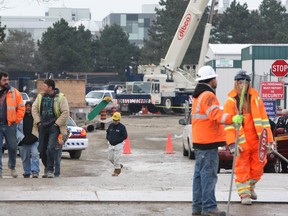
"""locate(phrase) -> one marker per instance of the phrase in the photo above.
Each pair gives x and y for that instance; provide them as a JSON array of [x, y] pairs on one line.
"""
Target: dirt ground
[[148, 167]]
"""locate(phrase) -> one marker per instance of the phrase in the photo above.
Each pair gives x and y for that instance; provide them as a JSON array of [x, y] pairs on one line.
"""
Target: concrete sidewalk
[[273, 188]]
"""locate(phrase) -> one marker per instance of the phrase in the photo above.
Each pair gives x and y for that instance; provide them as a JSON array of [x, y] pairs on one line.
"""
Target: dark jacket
[[116, 133], [29, 138]]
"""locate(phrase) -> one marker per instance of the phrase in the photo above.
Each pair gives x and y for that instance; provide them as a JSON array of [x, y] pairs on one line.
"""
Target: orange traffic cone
[[169, 147], [126, 149]]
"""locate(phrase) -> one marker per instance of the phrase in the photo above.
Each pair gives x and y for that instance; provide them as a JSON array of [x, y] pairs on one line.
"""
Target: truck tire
[[152, 109], [134, 108], [166, 105], [75, 154]]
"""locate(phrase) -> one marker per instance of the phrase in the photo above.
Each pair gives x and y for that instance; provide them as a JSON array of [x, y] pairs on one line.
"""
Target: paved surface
[[272, 188], [152, 182]]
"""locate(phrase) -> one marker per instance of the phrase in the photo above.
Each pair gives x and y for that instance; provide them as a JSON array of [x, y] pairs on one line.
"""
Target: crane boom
[[184, 34]]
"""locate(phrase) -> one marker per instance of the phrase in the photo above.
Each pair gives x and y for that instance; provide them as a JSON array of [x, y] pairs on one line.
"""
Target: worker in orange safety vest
[[248, 168], [208, 134]]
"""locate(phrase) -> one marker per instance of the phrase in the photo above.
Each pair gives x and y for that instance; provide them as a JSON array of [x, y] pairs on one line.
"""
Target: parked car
[[280, 133], [76, 143], [25, 97], [33, 95], [225, 157], [93, 98]]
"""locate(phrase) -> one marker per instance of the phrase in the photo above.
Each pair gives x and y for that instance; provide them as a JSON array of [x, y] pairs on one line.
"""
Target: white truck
[[166, 87]]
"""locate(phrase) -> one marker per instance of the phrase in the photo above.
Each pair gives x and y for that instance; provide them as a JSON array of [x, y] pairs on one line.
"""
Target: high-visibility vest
[[204, 129], [56, 105], [258, 112]]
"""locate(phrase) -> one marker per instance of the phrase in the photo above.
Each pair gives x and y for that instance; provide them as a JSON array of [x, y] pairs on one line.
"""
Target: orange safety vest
[[208, 119], [258, 112], [15, 106]]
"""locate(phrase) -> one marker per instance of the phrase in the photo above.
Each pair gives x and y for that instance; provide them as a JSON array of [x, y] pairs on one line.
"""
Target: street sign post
[[279, 68]]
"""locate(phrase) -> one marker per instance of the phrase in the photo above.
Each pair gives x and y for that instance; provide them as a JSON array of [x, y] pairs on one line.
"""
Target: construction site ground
[[151, 183]]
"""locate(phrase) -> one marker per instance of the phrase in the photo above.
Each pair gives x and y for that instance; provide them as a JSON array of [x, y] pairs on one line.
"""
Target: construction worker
[[248, 168], [50, 111], [207, 115], [11, 114], [116, 134]]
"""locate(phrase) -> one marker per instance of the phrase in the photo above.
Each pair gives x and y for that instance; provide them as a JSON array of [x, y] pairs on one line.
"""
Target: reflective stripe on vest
[[205, 116]]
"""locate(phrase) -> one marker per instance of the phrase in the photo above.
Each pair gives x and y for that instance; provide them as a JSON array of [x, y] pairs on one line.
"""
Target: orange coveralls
[[248, 168]]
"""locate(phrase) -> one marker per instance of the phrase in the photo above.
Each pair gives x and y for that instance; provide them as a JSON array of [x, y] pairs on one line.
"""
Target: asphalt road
[[147, 168]]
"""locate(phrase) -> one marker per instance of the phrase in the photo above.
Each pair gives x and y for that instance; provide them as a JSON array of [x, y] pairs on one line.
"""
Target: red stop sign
[[279, 68]]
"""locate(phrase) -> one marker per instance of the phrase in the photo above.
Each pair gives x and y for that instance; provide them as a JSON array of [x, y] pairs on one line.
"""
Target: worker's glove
[[232, 149], [237, 119], [271, 147]]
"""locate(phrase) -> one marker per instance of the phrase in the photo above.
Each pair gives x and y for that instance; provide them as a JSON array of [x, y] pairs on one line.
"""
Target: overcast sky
[[99, 8]]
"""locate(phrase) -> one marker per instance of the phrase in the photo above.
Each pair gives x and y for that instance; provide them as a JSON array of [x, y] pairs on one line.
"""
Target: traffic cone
[[169, 147], [126, 149]]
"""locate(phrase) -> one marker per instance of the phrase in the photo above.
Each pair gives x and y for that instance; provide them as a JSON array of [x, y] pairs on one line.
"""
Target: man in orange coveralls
[[248, 168]]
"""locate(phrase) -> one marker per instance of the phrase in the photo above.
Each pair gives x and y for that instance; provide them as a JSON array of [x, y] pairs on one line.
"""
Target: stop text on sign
[[279, 68]]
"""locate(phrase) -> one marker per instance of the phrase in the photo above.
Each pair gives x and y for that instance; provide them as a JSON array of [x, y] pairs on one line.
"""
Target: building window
[[123, 20]]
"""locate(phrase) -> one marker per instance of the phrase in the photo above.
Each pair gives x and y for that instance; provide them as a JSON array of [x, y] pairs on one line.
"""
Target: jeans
[[58, 154], [114, 154], [30, 158], [48, 137], [9, 132], [204, 180]]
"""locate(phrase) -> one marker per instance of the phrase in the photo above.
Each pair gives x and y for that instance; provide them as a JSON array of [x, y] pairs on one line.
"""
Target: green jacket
[[61, 110]]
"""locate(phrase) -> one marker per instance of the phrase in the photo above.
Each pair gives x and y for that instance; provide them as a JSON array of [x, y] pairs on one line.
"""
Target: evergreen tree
[[65, 48], [113, 50], [18, 52]]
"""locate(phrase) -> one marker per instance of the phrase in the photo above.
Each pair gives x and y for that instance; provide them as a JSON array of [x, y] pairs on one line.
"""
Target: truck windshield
[[142, 87]]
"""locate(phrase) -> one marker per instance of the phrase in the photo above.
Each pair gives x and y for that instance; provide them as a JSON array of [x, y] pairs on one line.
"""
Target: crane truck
[[166, 87]]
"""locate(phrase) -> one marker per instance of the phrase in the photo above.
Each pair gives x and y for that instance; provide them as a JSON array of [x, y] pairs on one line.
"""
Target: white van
[[93, 98]]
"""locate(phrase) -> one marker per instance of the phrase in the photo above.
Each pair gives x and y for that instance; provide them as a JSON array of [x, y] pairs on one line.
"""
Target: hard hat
[[206, 72], [116, 116], [242, 75]]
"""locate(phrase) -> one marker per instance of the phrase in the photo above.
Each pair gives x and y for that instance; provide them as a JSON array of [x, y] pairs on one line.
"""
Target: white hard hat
[[206, 72]]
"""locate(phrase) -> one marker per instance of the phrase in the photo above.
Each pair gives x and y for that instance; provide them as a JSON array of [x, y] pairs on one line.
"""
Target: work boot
[[196, 213], [35, 175], [116, 172], [215, 212], [14, 173], [50, 175], [246, 200], [26, 175], [253, 195]]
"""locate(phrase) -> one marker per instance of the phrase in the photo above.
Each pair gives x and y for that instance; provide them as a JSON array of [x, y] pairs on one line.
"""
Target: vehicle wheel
[[185, 152], [218, 171], [134, 108], [269, 168], [277, 166], [191, 154], [179, 110], [152, 109], [75, 154], [167, 104], [284, 166]]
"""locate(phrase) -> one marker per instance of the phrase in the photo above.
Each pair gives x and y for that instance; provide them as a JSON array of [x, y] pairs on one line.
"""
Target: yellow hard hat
[[116, 116]]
